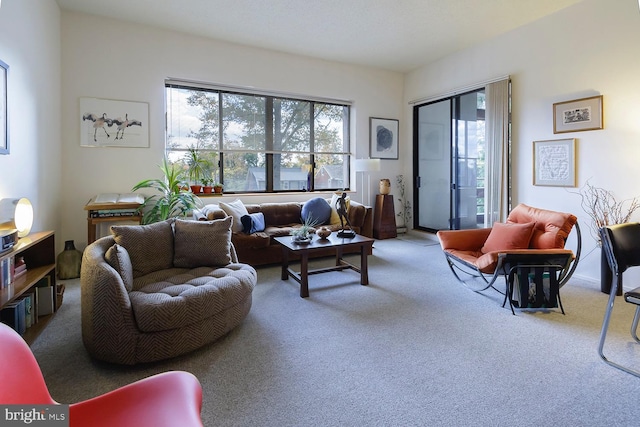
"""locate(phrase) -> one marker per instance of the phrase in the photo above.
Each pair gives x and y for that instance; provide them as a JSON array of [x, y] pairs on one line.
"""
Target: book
[[45, 296], [45, 300], [27, 310], [13, 314], [104, 198], [109, 213], [33, 294]]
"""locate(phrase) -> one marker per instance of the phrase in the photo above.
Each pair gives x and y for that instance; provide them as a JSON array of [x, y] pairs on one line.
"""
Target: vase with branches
[[405, 205], [604, 209]]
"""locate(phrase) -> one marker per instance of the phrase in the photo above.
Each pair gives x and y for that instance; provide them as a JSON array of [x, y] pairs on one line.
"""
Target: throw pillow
[[316, 210], [335, 218], [236, 210], [253, 222], [150, 246], [202, 243], [508, 236], [118, 258]]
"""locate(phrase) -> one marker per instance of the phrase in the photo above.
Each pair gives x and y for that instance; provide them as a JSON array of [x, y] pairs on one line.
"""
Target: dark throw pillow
[[316, 210], [253, 223]]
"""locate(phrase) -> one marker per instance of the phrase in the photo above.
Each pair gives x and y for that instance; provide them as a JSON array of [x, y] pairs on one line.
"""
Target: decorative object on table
[[69, 261], [578, 115], [405, 205], [341, 208], [385, 186], [4, 111], [323, 232], [173, 200], [554, 163], [383, 134], [113, 123], [302, 234]]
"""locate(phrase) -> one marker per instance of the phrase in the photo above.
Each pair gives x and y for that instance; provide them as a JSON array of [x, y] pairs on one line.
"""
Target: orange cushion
[[508, 236], [551, 230]]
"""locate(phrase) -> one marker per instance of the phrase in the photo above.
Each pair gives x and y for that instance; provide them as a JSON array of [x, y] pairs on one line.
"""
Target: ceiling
[[398, 35]]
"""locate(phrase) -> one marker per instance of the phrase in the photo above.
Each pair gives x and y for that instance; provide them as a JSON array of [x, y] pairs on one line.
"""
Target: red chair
[[168, 399]]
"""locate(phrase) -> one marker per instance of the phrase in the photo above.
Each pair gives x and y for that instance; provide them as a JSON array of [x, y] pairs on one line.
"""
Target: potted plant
[[217, 188], [198, 167], [173, 199], [207, 188], [303, 233]]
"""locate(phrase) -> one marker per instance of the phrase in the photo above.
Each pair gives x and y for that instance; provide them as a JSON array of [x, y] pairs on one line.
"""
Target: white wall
[[30, 45], [116, 60], [588, 49]]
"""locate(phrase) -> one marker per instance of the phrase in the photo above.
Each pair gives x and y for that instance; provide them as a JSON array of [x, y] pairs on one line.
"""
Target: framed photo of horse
[[113, 123]]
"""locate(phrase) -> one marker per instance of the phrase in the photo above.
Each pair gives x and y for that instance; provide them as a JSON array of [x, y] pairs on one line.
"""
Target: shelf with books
[[110, 207], [37, 253]]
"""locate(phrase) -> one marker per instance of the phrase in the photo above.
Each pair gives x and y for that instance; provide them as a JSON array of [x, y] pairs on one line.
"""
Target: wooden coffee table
[[333, 241]]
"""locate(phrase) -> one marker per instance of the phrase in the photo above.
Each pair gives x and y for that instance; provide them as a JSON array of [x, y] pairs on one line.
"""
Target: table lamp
[[366, 165], [23, 217]]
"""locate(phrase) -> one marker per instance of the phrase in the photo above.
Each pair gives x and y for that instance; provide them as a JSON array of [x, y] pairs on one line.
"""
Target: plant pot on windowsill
[[196, 189], [217, 189], [207, 189]]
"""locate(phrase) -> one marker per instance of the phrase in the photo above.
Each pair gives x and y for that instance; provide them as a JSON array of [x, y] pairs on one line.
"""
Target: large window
[[257, 142]]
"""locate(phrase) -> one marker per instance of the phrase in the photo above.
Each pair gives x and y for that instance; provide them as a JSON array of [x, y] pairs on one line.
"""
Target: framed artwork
[[554, 163], [113, 123], [383, 134], [578, 115], [4, 109]]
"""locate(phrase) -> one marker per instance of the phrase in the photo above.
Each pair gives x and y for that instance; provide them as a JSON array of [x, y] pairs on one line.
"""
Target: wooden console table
[[93, 218]]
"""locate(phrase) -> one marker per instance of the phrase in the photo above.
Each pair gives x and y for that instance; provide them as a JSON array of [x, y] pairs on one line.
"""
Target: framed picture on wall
[[578, 115], [383, 135], [113, 123], [4, 109], [554, 163]]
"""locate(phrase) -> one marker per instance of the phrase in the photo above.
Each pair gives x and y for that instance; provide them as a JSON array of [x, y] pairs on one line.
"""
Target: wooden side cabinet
[[384, 217], [38, 252]]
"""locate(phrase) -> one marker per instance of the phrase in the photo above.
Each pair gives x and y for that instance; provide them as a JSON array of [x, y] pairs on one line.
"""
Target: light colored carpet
[[413, 348]]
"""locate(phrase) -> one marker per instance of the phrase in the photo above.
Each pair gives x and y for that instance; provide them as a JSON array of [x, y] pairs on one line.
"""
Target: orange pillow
[[508, 236]]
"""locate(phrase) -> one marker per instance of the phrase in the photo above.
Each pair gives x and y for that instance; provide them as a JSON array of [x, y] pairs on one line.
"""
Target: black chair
[[621, 244]]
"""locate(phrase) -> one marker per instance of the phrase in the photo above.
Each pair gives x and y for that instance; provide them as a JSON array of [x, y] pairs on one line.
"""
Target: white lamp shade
[[23, 217], [366, 165]]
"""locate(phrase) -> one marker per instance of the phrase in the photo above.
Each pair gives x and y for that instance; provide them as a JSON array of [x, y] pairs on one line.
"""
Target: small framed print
[[554, 163], [383, 135], [578, 115]]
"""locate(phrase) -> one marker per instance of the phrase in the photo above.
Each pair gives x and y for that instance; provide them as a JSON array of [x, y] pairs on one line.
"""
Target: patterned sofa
[[151, 292], [259, 248]]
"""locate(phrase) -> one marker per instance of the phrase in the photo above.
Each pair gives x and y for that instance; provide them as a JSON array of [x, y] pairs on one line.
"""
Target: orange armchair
[[530, 236], [168, 399]]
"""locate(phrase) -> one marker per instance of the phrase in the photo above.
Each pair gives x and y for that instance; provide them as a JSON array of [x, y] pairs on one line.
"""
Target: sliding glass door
[[450, 147]]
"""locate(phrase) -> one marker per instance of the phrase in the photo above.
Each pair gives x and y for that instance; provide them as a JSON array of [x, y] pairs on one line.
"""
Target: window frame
[[268, 152]]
